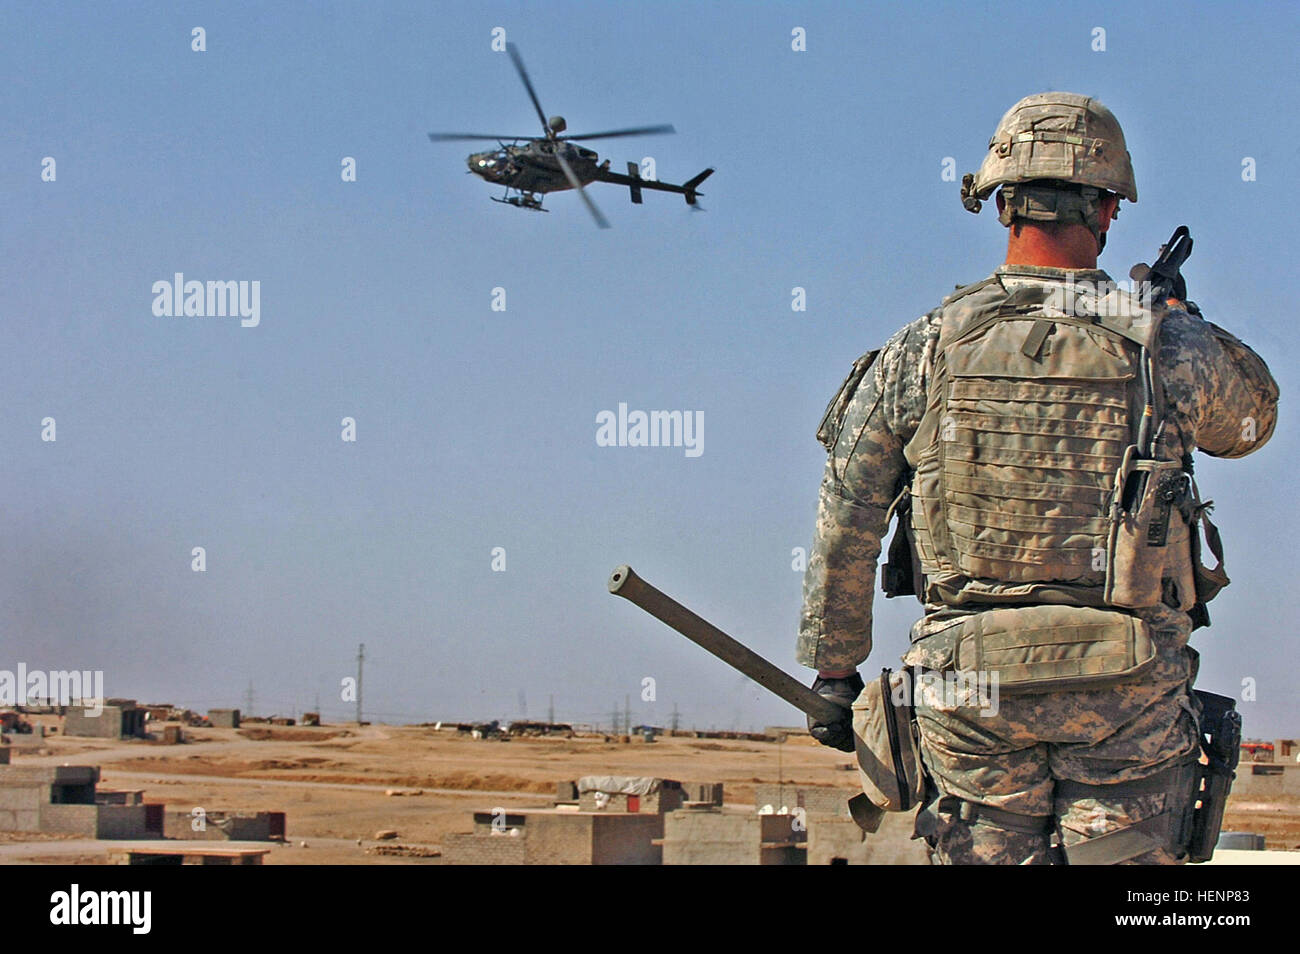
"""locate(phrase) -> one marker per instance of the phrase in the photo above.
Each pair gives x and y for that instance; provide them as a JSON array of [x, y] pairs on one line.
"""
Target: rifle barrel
[[625, 583]]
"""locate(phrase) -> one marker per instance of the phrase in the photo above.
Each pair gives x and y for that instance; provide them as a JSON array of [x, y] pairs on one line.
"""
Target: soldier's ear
[[1108, 210]]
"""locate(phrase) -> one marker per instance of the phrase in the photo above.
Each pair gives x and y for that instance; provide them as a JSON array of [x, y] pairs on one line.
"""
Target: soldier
[[1034, 434]]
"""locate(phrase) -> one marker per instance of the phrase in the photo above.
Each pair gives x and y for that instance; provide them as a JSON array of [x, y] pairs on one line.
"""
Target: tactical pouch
[[1149, 544], [888, 743], [1046, 648]]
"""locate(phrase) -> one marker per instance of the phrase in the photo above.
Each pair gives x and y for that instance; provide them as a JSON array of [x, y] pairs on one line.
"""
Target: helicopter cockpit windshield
[[490, 165]]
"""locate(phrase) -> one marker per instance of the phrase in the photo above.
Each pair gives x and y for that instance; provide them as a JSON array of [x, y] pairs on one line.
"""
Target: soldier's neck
[[1069, 247]]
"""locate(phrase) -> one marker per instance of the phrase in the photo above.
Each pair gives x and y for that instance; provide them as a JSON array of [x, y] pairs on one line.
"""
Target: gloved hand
[[838, 734]]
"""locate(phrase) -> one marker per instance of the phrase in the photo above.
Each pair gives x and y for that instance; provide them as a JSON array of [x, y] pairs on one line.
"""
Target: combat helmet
[[1052, 154]]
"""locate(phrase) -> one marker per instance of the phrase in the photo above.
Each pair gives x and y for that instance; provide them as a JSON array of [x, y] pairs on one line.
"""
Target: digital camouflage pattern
[[1219, 398], [1010, 759], [1060, 136]]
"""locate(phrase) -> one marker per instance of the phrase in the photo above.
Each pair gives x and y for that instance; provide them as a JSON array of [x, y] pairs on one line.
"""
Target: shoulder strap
[[964, 290]]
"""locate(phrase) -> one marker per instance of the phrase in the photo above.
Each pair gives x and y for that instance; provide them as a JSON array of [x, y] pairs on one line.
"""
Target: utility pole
[[248, 699], [361, 658], [627, 715], [550, 711], [674, 722], [615, 720]]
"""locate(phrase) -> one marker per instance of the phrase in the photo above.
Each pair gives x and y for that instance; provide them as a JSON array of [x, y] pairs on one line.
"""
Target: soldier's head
[[1058, 160]]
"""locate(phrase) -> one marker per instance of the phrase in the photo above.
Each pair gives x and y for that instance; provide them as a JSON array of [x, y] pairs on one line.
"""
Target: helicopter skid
[[521, 202]]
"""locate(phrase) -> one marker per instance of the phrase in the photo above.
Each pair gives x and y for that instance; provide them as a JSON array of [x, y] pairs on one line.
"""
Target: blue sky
[[476, 428]]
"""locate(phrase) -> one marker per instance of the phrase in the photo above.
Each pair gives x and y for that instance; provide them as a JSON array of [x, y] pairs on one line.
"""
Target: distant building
[[621, 793], [225, 826], [115, 719], [224, 718], [712, 836], [63, 799], [545, 836]]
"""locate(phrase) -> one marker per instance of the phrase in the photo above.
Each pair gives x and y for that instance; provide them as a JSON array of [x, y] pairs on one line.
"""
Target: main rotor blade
[[636, 131], [577, 185], [528, 84], [454, 137]]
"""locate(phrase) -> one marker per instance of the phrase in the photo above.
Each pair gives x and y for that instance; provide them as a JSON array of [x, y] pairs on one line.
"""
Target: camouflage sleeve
[[1221, 390], [863, 475]]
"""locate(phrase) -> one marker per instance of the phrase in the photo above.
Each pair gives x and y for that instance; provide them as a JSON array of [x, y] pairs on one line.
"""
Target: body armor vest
[[1037, 476]]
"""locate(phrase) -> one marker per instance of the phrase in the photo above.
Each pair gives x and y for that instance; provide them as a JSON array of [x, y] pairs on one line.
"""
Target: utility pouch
[[1149, 542], [1046, 648], [1221, 746], [888, 743]]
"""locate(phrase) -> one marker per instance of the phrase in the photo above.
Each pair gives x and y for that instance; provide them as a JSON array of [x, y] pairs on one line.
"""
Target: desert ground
[[341, 785]]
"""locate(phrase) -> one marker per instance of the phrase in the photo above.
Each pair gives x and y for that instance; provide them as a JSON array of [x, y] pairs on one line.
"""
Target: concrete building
[[710, 793], [63, 799], [624, 793], [115, 719], [636, 820], [1265, 779], [813, 799], [548, 837], [225, 826], [712, 836], [833, 836], [839, 841], [164, 854], [224, 718], [703, 793]]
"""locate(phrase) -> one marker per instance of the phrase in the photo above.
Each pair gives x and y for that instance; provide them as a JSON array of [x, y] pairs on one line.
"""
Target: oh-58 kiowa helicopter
[[530, 167]]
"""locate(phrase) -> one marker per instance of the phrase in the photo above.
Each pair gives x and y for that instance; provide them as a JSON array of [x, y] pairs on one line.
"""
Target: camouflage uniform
[[1218, 394]]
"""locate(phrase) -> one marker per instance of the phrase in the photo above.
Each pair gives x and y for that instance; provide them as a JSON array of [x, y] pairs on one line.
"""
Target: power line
[[361, 659]]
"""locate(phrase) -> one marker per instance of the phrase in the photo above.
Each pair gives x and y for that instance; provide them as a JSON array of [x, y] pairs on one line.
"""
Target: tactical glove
[[838, 734]]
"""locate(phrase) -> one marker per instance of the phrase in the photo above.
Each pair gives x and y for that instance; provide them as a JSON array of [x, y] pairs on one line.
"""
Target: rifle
[[1156, 286], [1165, 281], [1165, 277], [625, 583]]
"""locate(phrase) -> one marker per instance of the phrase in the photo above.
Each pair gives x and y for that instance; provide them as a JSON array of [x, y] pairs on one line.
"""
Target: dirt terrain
[[340, 785]]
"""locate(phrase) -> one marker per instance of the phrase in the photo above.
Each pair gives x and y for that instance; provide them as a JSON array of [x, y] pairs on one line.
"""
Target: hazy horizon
[[476, 428]]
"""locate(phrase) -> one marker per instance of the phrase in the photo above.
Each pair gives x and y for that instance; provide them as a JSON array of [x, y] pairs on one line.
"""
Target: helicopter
[[529, 167]]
